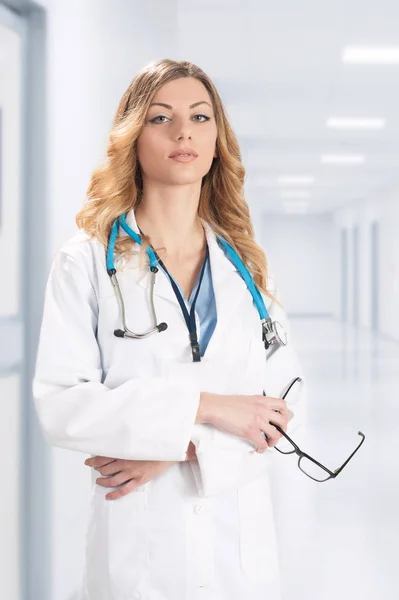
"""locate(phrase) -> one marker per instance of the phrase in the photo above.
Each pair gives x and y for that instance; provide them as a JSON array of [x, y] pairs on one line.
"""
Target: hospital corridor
[[343, 539], [282, 116]]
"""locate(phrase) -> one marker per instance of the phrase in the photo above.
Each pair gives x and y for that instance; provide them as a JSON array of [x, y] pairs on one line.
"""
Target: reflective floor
[[340, 539]]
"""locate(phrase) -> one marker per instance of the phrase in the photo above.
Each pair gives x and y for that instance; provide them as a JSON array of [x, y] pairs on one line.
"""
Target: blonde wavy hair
[[116, 185]]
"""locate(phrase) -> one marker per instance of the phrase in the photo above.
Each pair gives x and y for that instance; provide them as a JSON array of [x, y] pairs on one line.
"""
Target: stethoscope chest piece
[[273, 333]]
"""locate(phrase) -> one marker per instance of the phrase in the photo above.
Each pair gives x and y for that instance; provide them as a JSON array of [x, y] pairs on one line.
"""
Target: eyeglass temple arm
[[337, 471], [285, 435], [354, 452]]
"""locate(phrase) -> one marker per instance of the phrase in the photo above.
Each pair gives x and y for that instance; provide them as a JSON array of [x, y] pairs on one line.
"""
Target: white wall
[[385, 211], [10, 460], [10, 124], [364, 270], [344, 222], [94, 49], [303, 253], [389, 271]]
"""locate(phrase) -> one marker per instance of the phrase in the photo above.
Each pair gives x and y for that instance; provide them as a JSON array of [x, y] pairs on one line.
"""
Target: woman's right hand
[[246, 416]]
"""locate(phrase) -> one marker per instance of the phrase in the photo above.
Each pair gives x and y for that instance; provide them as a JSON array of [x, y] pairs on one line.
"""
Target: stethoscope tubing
[[120, 221]]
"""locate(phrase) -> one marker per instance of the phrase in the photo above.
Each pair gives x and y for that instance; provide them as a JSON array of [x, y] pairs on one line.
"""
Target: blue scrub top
[[205, 306]]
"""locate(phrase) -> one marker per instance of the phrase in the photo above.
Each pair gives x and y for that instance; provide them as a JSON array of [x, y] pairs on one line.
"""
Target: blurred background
[[312, 91]]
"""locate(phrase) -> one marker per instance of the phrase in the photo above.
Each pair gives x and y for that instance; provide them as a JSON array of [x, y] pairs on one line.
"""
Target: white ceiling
[[278, 67]]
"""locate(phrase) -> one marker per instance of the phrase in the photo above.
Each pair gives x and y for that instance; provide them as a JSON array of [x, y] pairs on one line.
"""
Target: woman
[[178, 426]]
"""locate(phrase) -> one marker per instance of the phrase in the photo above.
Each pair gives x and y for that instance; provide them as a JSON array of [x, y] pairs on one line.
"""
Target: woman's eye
[[154, 120], [205, 117]]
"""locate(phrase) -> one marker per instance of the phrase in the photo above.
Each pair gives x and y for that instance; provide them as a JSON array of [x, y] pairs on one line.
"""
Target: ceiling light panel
[[342, 159], [383, 55], [355, 123]]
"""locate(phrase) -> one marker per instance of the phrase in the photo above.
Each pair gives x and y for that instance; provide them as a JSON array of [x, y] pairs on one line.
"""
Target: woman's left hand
[[129, 474]]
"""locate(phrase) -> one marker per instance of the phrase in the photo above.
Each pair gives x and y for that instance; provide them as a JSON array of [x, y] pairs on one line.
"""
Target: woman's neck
[[175, 232]]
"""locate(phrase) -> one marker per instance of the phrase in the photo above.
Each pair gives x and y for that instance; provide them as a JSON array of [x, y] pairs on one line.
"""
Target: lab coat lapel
[[228, 285], [229, 288]]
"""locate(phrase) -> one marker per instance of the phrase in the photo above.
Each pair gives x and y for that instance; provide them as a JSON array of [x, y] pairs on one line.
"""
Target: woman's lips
[[184, 159]]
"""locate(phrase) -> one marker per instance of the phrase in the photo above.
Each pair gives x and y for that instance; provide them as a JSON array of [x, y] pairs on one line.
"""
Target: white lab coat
[[203, 529]]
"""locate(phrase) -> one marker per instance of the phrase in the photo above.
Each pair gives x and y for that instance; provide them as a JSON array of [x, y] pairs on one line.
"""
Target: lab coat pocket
[[116, 551], [258, 543]]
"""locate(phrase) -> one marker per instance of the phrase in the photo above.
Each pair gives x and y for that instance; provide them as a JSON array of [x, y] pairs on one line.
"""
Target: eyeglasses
[[308, 465]]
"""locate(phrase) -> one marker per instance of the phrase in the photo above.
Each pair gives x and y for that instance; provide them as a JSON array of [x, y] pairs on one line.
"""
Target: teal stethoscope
[[272, 331]]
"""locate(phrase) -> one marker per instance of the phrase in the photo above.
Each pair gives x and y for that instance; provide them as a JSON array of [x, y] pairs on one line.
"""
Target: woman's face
[[169, 128]]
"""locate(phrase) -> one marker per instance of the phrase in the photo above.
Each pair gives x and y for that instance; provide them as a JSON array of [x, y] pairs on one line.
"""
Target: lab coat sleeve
[[144, 418], [226, 462], [282, 367]]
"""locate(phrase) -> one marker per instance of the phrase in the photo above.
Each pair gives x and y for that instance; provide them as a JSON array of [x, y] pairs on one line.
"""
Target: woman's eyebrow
[[170, 107]]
